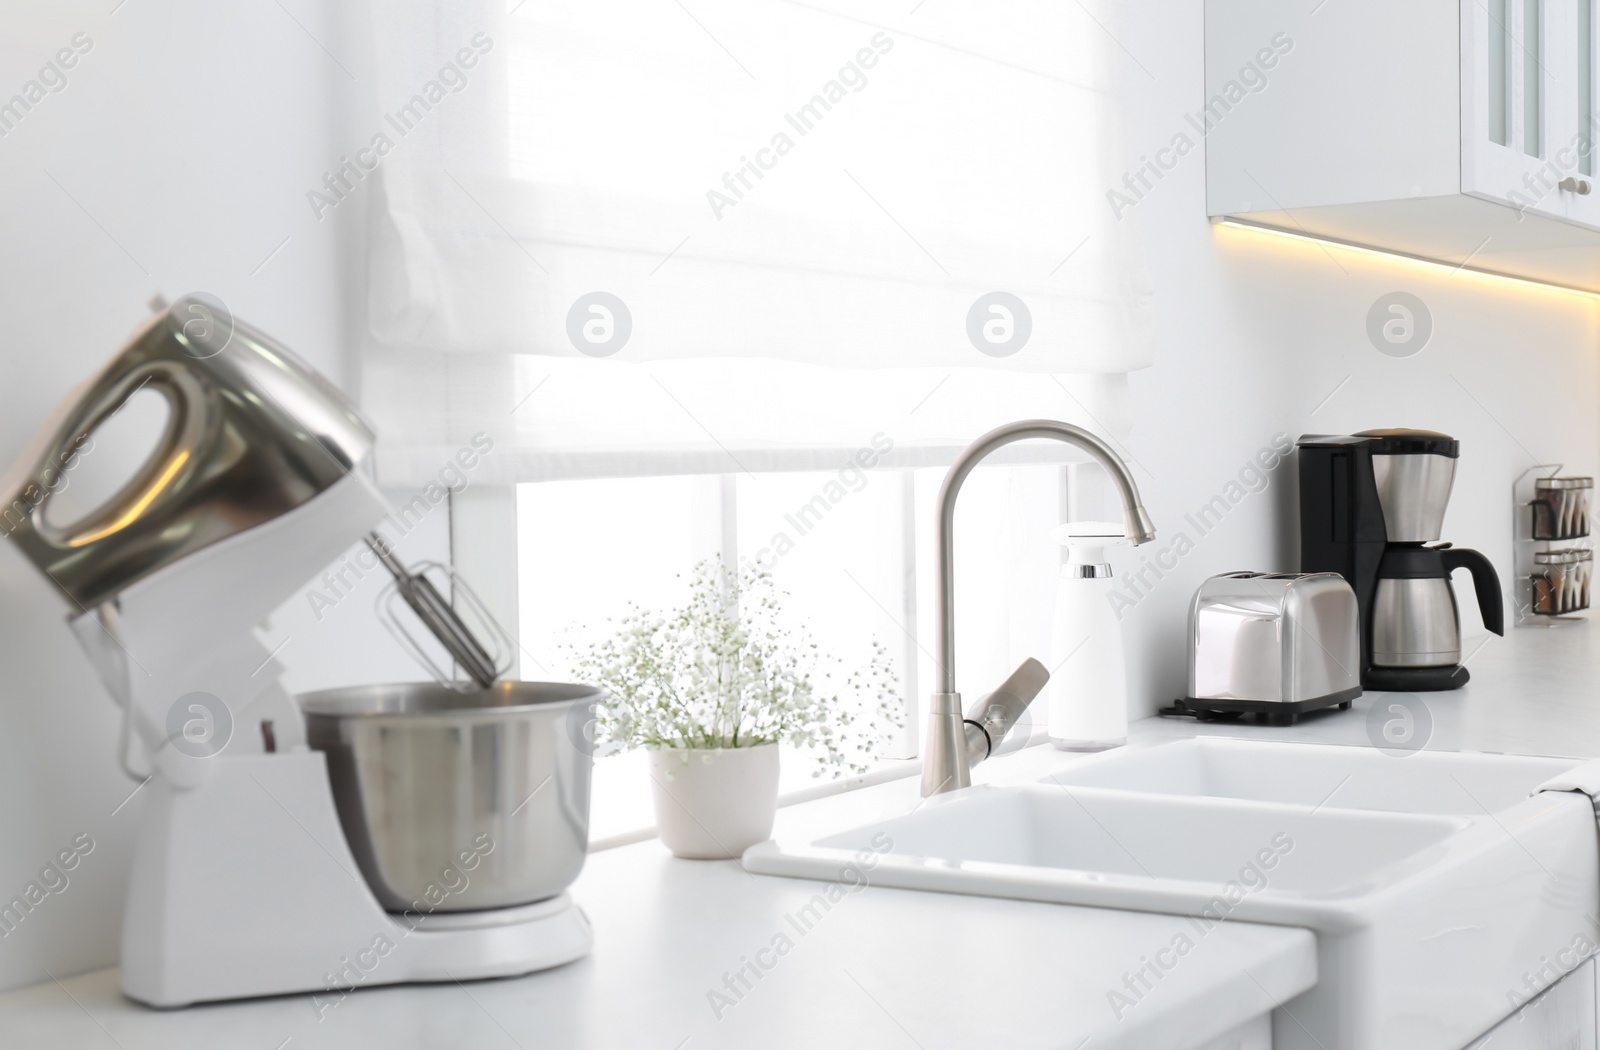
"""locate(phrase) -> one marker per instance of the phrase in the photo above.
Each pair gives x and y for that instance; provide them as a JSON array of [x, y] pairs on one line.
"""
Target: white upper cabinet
[[1456, 130]]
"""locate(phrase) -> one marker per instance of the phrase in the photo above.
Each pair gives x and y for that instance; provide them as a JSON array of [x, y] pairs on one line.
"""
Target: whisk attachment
[[421, 589]]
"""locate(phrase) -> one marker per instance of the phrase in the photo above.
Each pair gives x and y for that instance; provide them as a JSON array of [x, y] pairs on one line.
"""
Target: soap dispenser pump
[[1088, 706]]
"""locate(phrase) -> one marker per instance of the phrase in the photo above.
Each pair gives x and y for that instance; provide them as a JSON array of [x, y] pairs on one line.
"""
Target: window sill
[[886, 771]]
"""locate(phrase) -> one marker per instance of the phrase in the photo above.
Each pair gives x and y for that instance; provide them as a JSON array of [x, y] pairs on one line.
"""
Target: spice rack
[[1554, 556]]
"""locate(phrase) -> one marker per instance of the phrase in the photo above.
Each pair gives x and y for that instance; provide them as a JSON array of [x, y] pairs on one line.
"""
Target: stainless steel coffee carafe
[[1415, 620]]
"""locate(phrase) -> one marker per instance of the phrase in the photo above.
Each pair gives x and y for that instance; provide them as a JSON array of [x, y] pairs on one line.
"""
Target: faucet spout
[[947, 757]]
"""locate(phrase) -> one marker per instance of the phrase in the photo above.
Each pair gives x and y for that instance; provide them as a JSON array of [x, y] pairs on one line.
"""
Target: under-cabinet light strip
[[1245, 224]]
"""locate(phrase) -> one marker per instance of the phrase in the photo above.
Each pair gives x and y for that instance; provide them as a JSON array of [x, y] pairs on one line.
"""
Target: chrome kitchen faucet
[[956, 743]]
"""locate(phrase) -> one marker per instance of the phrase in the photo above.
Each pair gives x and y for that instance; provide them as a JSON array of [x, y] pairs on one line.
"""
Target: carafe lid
[[1400, 441]]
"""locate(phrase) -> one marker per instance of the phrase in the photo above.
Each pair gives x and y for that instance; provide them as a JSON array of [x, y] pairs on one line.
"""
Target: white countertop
[[884, 968], [666, 931], [1534, 692]]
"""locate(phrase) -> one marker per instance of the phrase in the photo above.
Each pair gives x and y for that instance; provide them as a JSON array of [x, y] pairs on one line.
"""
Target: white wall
[[1257, 332], [188, 135]]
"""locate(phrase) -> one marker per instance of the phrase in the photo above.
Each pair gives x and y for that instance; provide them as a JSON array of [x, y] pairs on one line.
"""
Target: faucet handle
[[991, 718]]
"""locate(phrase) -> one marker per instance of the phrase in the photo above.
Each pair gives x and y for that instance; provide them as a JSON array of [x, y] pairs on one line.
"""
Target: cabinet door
[[1577, 135], [1563, 1018], [1516, 55]]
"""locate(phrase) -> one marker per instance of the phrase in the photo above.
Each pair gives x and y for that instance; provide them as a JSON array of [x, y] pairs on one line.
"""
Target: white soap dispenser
[[1088, 677]]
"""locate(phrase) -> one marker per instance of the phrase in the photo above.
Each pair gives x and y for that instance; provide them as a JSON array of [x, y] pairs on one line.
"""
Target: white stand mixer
[[243, 882]]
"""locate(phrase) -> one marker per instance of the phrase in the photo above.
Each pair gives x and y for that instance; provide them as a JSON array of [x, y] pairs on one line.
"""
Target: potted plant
[[712, 688]]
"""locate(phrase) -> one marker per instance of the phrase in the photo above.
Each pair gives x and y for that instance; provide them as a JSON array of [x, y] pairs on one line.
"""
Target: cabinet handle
[[1576, 185]]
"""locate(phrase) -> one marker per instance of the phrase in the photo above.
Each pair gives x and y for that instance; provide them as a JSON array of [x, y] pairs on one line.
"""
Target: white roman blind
[[722, 235]]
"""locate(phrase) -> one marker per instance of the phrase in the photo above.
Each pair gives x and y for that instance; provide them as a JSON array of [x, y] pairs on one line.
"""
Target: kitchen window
[[681, 262]]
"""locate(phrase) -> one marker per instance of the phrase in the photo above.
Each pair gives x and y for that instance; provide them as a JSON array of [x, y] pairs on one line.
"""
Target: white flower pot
[[714, 803]]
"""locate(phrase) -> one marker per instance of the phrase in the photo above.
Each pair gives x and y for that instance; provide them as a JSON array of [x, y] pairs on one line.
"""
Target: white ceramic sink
[[1434, 881]]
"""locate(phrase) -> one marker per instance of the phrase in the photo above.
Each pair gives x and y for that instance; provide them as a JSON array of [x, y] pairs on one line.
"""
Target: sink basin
[[1322, 775], [1435, 882], [1145, 844]]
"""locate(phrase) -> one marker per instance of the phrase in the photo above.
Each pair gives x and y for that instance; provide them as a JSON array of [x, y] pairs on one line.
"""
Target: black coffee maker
[[1371, 509]]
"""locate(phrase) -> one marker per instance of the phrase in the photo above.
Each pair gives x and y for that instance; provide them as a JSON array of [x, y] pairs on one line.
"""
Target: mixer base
[[244, 886]]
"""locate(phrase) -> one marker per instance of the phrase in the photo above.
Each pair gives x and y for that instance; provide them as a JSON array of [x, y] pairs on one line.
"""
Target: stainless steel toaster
[[1273, 644]]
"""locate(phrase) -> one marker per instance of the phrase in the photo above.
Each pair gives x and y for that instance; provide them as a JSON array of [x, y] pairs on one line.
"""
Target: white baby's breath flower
[[726, 670]]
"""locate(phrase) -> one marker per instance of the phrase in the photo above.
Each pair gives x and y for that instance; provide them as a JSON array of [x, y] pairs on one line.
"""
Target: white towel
[[1584, 779]]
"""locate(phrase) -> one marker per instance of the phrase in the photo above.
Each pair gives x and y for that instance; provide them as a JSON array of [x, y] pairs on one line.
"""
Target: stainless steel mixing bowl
[[458, 801]]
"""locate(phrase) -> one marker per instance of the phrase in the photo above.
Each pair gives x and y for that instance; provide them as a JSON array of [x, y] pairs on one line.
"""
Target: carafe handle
[[1485, 584]]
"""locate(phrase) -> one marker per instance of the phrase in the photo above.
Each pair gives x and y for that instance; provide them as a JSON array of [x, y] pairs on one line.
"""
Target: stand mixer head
[[256, 482], [251, 434]]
